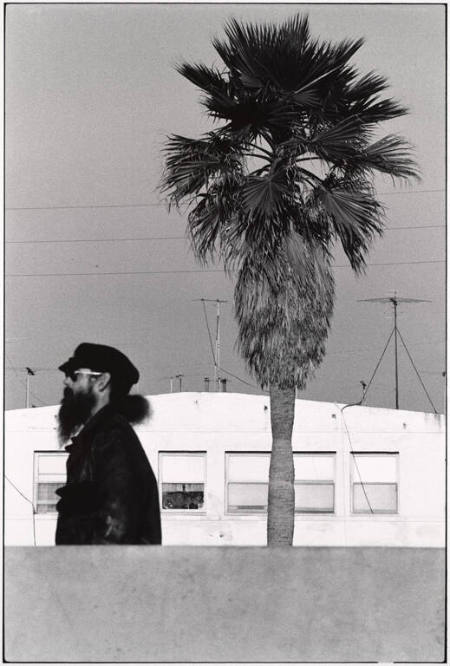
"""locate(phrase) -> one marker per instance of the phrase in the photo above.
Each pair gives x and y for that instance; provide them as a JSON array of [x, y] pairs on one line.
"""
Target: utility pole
[[216, 352], [30, 373], [395, 300]]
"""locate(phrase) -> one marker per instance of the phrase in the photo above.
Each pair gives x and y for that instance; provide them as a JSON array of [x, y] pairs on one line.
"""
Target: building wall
[[218, 423]]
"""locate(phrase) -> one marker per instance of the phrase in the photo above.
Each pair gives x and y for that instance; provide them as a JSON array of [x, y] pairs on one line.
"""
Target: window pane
[[52, 463], [46, 508], [249, 467], [182, 496], [46, 491], [46, 498], [318, 467], [375, 467], [314, 497], [247, 496], [182, 468], [375, 497]]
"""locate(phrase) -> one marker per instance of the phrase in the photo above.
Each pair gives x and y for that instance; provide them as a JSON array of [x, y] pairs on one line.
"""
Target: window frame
[[243, 512], [36, 482], [358, 482], [263, 512], [317, 482], [182, 512]]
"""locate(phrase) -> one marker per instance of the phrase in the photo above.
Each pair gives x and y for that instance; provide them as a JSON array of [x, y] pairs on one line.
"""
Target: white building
[[363, 476]]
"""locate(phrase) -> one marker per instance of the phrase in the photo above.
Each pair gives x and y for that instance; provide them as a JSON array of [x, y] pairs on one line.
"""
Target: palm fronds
[[285, 175], [390, 155], [191, 164], [356, 219]]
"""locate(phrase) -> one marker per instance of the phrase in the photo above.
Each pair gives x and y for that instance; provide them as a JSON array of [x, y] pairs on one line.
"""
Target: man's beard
[[75, 410]]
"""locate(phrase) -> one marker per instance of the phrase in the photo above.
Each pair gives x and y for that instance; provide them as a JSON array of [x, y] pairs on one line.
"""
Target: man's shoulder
[[114, 421], [111, 427]]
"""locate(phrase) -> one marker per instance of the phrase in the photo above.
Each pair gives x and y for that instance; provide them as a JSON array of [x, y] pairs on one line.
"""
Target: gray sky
[[91, 93]]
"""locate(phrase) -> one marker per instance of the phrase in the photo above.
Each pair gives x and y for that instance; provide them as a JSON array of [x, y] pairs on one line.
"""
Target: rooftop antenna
[[395, 300], [30, 373], [216, 353], [180, 379]]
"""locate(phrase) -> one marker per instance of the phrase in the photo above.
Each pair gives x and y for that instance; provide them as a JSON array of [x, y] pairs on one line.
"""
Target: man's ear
[[104, 381]]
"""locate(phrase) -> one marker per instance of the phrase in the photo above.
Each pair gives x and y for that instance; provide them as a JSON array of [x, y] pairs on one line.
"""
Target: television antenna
[[395, 333], [30, 373], [215, 353]]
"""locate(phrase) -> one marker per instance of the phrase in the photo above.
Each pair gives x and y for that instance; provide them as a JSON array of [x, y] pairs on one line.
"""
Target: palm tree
[[285, 175]]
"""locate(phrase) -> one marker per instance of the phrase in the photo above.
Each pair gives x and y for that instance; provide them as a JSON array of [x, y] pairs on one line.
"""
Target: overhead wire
[[358, 404], [164, 238], [205, 270], [164, 204], [19, 491], [355, 462], [28, 500], [241, 380]]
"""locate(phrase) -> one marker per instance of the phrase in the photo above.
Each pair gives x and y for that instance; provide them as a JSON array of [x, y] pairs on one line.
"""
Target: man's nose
[[66, 380]]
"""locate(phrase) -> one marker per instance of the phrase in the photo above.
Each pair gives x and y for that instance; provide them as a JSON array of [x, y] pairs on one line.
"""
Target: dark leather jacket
[[111, 494]]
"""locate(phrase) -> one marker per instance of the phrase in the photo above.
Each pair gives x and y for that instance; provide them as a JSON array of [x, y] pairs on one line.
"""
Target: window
[[182, 480], [248, 482], [374, 482], [314, 482], [49, 475]]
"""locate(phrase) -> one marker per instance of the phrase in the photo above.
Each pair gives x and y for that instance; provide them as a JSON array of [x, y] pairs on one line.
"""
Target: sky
[[93, 254]]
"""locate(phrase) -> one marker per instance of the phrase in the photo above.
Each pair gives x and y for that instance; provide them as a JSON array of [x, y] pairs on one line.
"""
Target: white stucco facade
[[214, 427]]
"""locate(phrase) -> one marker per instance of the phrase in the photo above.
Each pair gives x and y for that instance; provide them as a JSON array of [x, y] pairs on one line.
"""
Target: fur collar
[[135, 408]]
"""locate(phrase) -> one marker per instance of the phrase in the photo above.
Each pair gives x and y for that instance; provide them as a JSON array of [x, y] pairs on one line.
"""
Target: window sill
[[182, 512]]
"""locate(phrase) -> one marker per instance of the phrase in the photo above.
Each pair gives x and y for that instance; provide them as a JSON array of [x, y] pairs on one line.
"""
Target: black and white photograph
[[224, 332]]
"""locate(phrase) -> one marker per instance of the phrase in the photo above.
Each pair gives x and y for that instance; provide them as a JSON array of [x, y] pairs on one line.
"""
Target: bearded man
[[111, 494]]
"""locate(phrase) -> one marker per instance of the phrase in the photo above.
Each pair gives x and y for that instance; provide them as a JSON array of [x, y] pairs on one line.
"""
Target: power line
[[208, 270], [410, 192], [341, 409], [98, 240], [169, 238], [28, 500], [398, 263], [419, 226], [143, 205], [162, 203], [227, 372], [35, 369], [19, 491]]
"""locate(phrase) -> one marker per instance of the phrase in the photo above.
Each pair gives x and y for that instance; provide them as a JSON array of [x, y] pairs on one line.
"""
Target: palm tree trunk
[[281, 503]]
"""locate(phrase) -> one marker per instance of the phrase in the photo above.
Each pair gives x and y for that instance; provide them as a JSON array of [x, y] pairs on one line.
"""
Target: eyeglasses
[[73, 374]]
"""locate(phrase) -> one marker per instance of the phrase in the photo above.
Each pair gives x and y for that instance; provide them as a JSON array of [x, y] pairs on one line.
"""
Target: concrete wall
[[221, 422], [156, 604]]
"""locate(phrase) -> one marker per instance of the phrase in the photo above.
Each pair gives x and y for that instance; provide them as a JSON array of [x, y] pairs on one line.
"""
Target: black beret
[[101, 358]]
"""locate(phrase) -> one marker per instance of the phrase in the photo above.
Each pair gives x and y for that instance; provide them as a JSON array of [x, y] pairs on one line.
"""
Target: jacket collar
[[91, 424]]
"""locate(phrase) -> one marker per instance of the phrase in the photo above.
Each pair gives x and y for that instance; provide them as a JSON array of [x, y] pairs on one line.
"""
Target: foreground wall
[[224, 604]]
